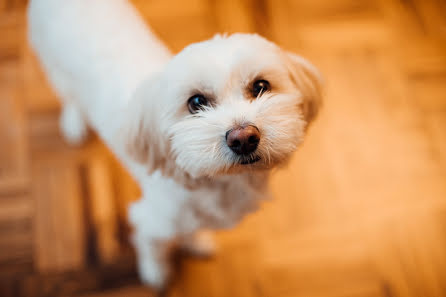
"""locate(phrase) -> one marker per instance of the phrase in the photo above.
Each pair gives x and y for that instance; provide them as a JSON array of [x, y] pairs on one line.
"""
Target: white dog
[[199, 131]]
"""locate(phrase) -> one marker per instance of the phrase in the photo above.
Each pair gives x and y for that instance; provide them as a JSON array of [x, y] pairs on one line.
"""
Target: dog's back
[[94, 53]]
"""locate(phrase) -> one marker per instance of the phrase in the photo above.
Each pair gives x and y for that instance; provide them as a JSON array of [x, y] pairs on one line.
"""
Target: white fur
[[112, 74], [72, 124]]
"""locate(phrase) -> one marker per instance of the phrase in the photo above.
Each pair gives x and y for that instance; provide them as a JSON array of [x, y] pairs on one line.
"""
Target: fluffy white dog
[[199, 131]]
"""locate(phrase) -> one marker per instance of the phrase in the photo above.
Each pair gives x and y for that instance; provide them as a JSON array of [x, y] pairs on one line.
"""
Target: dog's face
[[226, 105]]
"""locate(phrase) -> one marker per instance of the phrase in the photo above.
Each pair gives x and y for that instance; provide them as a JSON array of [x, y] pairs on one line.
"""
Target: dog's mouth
[[250, 160]]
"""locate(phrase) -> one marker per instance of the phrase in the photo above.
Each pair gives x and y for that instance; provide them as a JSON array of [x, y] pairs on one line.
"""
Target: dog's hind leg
[[72, 124]]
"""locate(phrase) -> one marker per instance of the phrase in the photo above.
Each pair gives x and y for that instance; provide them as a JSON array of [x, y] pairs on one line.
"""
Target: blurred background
[[360, 211]]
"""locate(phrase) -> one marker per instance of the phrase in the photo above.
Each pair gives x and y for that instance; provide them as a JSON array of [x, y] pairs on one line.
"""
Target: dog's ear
[[140, 131], [308, 81]]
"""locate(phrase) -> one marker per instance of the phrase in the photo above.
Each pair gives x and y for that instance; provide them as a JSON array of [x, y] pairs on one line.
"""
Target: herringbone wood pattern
[[361, 210]]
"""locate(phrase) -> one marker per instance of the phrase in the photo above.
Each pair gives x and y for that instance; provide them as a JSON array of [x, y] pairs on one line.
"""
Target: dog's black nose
[[243, 140]]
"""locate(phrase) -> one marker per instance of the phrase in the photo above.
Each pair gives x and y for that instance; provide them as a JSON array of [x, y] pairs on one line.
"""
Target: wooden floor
[[360, 212]]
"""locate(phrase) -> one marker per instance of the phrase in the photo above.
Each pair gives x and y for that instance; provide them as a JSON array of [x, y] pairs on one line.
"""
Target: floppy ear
[[309, 82], [140, 130]]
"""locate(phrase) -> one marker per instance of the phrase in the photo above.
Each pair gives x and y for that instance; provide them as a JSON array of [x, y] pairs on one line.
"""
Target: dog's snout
[[243, 140]]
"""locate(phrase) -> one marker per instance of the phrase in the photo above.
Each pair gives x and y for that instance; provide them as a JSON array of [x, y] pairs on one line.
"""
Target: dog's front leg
[[152, 237], [200, 243], [152, 259]]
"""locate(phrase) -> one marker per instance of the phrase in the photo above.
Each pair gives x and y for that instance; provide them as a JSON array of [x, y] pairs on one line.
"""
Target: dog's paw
[[201, 244], [152, 273], [72, 124]]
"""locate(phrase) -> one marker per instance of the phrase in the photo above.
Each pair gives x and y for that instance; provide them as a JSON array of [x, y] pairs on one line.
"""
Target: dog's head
[[226, 105]]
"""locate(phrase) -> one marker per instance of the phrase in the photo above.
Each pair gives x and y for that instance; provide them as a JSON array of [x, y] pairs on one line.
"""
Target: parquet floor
[[361, 211]]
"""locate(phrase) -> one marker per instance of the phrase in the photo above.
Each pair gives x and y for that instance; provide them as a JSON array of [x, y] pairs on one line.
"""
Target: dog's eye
[[197, 102], [259, 87]]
